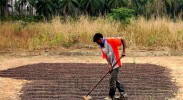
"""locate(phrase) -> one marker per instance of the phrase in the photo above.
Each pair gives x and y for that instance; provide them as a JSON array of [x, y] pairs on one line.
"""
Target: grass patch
[[155, 33]]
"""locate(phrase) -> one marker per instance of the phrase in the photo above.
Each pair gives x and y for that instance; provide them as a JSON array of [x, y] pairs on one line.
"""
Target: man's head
[[98, 38]]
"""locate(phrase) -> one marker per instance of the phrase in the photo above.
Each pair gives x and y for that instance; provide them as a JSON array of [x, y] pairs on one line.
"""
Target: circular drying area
[[71, 81]]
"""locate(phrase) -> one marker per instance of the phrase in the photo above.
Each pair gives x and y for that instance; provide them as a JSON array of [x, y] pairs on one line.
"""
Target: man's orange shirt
[[110, 50]]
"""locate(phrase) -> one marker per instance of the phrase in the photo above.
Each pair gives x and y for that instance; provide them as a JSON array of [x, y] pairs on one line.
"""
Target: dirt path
[[10, 88]]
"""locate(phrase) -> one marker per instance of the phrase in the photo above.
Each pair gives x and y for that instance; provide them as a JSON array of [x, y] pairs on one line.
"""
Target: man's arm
[[110, 65], [124, 47]]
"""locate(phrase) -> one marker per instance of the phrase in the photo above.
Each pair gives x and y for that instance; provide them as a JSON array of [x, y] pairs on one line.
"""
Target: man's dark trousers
[[113, 83]]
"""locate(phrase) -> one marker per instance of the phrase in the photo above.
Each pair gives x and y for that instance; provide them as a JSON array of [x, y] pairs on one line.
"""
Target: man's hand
[[110, 68], [123, 54]]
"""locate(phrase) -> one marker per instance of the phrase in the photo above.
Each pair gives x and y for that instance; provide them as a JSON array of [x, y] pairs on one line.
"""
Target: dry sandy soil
[[10, 88]]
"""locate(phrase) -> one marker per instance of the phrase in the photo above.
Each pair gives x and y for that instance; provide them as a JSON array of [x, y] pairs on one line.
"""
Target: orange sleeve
[[115, 41]]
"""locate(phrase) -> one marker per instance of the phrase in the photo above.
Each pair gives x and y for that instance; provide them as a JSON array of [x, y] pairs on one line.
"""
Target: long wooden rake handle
[[101, 79]]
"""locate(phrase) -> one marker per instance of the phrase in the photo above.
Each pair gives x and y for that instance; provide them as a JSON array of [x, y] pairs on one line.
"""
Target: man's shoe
[[123, 95], [108, 98]]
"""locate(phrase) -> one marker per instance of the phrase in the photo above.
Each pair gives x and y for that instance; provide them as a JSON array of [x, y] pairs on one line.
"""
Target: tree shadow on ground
[[71, 81]]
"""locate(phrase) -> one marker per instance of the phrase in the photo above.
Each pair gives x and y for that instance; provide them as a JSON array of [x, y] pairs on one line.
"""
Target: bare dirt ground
[[154, 78]]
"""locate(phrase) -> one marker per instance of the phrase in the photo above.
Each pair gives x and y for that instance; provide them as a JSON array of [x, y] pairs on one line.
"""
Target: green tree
[[122, 14], [176, 8], [33, 2], [105, 8], [117, 3], [45, 8], [92, 7], [139, 6], [3, 5], [32, 6], [19, 6], [49, 8], [68, 7], [55, 8], [181, 8]]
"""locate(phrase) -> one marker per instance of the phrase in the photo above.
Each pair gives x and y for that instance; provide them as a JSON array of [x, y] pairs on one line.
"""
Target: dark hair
[[97, 36]]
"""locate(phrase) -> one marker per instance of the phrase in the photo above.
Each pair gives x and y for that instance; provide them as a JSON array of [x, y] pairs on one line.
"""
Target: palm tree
[[112, 4], [19, 6], [92, 7], [105, 8], [3, 5], [12, 6], [181, 8], [56, 7], [177, 7], [45, 8], [139, 6], [68, 7], [32, 6]]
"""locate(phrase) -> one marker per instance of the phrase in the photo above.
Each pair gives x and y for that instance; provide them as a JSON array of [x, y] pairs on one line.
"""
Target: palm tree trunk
[[5, 7], [1, 11], [21, 8], [1, 8], [12, 7], [31, 11]]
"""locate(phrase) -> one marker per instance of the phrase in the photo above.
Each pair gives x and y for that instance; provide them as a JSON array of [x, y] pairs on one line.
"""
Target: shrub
[[122, 14], [22, 18]]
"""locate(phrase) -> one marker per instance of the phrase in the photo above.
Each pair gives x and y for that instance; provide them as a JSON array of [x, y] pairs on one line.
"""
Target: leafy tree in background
[[181, 8], [92, 7], [139, 6], [49, 8], [45, 8], [68, 7], [122, 14], [3, 5], [112, 4], [19, 6], [32, 6], [176, 8], [55, 8], [33, 2], [105, 9]]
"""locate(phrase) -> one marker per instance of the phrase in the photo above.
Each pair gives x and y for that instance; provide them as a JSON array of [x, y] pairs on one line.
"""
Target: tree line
[[50, 8]]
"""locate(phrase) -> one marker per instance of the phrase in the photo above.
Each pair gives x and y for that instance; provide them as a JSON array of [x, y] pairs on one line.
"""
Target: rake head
[[87, 97]]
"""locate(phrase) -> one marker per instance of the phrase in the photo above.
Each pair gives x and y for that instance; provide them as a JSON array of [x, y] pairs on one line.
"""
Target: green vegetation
[[25, 18], [145, 24], [75, 8], [154, 34], [122, 14]]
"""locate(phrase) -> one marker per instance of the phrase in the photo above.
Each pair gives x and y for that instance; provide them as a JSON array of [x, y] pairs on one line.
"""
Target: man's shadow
[[71, 81]]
